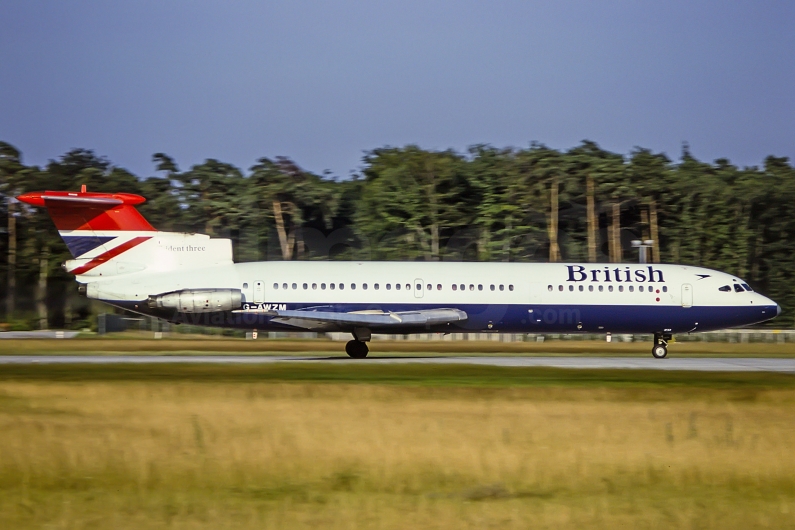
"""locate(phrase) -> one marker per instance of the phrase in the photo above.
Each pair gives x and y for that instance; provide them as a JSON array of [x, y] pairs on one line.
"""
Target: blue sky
[[323, 81]]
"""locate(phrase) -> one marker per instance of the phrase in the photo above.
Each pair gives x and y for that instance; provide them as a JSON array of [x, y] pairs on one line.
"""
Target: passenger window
[[738, 288], [610, 288], [492, 287], [455, 287], [295, 286], [502, 287], [408, 287], [590, 288], [323, 286], [560, 287], [471, 287], [284, 286], [245, 286], [747, 287], [571, 287], [389, 287], [620, 288], [331, 286], [462, 287], [438, 286], [665, 288], [510, 287], [275, 285], [640, 288], [429, 287], [549, 287], [376, 286], [342, 286], [305, 287], [582, 288], [353, 286], [601, 288], [397, 286], [364, 286], [480, 287], [631, 289], [314, 286]]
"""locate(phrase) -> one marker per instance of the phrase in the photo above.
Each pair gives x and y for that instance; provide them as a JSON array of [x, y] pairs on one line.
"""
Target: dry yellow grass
[[223, 455]]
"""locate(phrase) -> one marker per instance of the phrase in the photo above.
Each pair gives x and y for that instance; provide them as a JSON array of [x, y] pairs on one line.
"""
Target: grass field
[[357, 446], [218, 345]]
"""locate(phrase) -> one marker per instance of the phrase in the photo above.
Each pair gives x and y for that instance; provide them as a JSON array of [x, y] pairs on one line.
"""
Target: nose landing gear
[[660, 349]]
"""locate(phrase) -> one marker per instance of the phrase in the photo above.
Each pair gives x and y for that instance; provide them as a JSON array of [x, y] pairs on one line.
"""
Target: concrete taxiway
[[703, 364]]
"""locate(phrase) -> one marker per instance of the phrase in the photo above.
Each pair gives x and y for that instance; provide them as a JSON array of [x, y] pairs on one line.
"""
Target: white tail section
[[129, 252]]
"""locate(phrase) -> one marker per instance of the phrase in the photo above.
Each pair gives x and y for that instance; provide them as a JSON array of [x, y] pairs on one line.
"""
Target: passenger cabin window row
[[610, 288], [492, 287], [388, 286]]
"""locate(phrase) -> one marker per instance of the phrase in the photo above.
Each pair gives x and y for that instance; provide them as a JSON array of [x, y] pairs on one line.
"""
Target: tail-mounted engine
[[198, 300]]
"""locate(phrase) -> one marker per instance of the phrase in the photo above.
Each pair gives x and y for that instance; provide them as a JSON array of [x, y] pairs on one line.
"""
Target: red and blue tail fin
[[90, 220]]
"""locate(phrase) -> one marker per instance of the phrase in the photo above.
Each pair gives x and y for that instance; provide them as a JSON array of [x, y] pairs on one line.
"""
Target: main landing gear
[[357, 348], [660, 349]]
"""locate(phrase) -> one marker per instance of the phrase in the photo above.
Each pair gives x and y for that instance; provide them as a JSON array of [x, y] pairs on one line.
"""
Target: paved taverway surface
[[711, 364]]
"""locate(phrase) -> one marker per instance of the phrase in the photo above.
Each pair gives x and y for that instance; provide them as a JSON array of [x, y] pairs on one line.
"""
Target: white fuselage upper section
[[449, 284]]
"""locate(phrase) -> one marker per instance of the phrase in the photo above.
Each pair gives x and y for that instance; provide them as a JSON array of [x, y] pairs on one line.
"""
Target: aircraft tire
[[356, 349], [659, 351]]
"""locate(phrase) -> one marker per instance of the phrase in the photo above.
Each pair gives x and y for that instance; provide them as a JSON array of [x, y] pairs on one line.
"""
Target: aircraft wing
[[329, 320]]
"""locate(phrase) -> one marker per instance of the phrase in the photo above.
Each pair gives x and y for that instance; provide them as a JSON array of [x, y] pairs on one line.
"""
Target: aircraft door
[[419, 288], [259, 292], [687, 295]]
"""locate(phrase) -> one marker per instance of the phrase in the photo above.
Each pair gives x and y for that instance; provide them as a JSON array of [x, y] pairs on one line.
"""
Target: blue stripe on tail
[[79, 245]]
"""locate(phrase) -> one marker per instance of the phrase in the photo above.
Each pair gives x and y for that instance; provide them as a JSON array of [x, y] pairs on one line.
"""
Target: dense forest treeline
[[407, 203]]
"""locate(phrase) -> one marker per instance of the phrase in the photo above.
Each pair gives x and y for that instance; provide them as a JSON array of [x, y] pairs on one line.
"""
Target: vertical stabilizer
[[88, 221]]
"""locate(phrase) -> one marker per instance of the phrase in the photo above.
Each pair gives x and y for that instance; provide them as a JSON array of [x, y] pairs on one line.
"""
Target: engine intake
[[198, 300]]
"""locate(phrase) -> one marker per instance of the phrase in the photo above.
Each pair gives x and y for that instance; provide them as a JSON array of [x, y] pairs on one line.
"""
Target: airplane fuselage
[[505, 297]]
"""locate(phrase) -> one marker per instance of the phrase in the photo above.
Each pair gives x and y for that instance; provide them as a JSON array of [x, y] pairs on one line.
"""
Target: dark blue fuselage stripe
[[524, 318]]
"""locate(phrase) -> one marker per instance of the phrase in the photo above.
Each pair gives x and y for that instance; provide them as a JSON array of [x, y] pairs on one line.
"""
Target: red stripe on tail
[[110, 254]]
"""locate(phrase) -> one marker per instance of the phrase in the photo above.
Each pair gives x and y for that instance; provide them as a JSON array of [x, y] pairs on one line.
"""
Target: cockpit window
[[737, 288], [725, 289], [747, 287]]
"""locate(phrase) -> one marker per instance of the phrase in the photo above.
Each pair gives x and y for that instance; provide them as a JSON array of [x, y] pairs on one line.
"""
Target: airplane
[[120, 259]]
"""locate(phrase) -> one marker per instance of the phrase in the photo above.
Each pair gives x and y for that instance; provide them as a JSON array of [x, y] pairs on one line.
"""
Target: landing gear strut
[[660, 349], [356, 349]]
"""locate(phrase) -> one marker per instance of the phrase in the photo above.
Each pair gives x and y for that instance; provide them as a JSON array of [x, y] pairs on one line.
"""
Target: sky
[[324, 81]]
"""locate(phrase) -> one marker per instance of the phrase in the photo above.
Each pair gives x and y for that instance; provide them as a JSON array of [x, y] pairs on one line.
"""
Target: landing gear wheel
[[660, 349], [356, 349]]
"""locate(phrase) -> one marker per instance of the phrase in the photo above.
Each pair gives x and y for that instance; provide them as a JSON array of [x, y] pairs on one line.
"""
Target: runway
[[701, 364]]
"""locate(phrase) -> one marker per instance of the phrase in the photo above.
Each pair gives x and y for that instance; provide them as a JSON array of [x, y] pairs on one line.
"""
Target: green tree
[[285, 196], [210, 193], [164, 208], [411, 200], [11, 171], [651, 180]]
